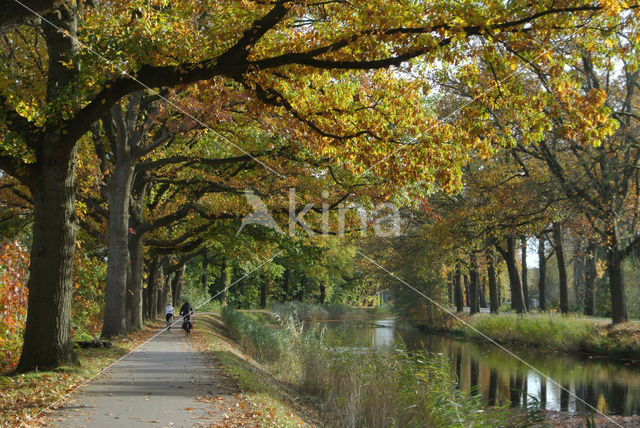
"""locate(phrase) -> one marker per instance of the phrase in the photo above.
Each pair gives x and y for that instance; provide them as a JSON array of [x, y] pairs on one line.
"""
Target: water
[[611, 387]]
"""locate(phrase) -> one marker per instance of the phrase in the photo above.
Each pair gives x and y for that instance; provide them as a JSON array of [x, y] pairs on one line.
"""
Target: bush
[[14, 264]]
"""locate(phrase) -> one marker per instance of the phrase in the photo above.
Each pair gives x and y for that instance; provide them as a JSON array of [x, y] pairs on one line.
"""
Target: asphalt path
[[166, 382]]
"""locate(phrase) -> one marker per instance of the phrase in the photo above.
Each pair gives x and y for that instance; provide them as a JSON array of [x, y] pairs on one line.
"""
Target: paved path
[[166, 382]]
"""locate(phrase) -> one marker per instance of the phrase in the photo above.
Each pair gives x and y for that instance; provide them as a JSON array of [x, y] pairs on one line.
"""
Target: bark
[[459, 298], [134, 298], [51, 179], [121, 129], [590, 278], [166, 292], [467, 302], [494, 301], [164, 281], [474, 306], [13, 13], [135, 291], [517, 296], [483, 292], [118, 246], [615, 258], [323, 293], [47, 342], [578, 273], [542, 274], [152, 288], [223, 282], [286, 285], [301, 289], [562, 269], [176, 286], [525, 279]]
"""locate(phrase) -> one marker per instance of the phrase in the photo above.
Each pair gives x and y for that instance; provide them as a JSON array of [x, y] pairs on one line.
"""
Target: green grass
[[564, 333], [547, 331]]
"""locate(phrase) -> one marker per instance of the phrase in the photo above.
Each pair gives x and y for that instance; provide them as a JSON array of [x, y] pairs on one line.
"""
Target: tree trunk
[[483, 291], [525, 279], [494, 301], [47, 342], [459, 298], [176, 286], [301, 290], [323, 293], [286, 285], [467, 302], [223, 282], [166, 292], [616, 280], [164, 281], [578, 273], [134, 300], [517, 296], [136, 295], [474, 306], [590, 278], [450, 289], [118, 246], [562, 269], [46, 339], [542, 274], [152, 288]]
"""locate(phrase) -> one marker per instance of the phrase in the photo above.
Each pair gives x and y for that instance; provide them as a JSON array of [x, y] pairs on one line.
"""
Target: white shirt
[[169, 310]]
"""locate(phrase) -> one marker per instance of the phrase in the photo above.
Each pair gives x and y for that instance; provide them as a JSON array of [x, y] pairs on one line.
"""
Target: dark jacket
[[186, 310]]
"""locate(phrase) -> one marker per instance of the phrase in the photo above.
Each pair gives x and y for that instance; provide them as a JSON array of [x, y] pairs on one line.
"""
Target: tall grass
[[558, 332], [301, 311], [255, 337], [365, 388], [551, 331]]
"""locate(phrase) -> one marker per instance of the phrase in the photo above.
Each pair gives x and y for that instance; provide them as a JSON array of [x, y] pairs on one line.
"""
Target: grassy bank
[[370, 389], [313, 312], [271, 403], [558, 333], [23, 396]]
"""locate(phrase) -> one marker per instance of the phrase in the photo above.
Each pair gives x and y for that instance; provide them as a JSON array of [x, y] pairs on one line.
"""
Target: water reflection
[[611, 387]]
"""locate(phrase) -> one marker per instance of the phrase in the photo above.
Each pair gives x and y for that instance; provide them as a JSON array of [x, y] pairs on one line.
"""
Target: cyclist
[[185, 311], [168, 314]]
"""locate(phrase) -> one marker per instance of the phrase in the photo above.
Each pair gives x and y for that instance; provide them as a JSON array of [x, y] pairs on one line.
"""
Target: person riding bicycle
[[185, 311], [169, 312]]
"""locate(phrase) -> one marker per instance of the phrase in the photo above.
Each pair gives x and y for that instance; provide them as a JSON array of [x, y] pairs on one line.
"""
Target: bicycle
[[169, 318], [187, 326]]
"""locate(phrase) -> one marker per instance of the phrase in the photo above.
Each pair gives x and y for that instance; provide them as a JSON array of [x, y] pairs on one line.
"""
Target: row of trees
[[144, 123], [546, 188]]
